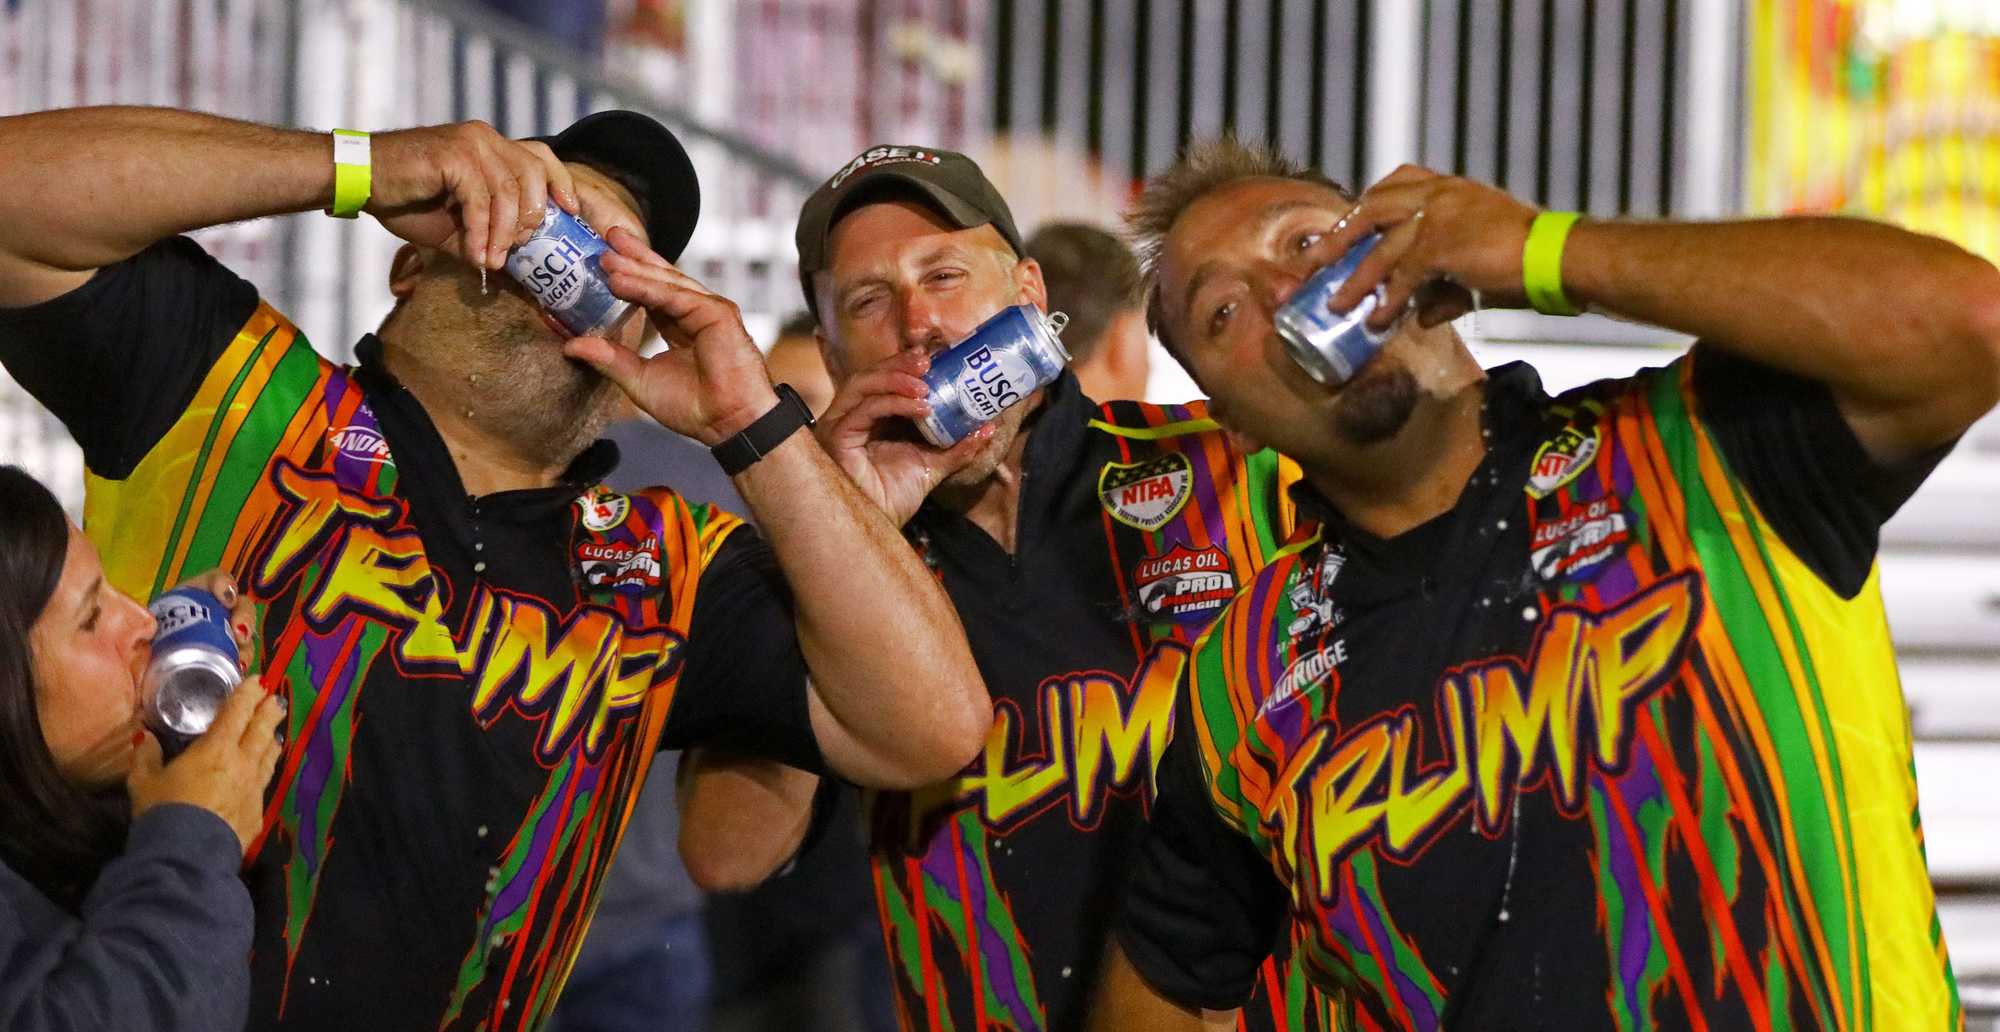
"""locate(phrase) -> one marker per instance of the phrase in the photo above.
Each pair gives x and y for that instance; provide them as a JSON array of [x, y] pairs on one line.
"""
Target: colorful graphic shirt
[[1617, 743], [1137, 523], [477, 686]]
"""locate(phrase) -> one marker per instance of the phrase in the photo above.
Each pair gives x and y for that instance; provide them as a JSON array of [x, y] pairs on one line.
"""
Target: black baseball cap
[[947, 181], [650, 160]]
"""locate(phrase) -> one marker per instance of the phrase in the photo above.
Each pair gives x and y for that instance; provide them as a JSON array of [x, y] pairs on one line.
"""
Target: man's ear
[[1028, 285], [407, 268], [835, 369]]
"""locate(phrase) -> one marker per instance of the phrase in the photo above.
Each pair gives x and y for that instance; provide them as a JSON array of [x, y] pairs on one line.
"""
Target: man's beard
[[1373, 408], [549, 407]]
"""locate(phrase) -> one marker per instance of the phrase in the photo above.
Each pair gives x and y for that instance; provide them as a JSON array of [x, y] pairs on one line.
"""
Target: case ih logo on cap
[[1146, 494], [1560, 459], [875, 157], [1184, 584], [361, 444]]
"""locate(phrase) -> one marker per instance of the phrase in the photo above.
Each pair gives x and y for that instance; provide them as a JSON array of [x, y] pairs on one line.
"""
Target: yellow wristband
[[352, 181], [1542, 262]]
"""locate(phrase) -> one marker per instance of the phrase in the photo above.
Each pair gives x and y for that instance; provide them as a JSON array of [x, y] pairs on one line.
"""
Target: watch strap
[[771, 429]]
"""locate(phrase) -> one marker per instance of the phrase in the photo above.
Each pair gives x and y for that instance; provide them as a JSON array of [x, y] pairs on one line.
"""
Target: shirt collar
[[1513, 396], [421, 452]]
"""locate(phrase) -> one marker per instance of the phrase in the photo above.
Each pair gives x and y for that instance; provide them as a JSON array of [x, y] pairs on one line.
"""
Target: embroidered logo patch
[[1560, 459], [1312, 605], [603, 510], [1185, 585], [1574, 546], [612, 565], [1146, 494]]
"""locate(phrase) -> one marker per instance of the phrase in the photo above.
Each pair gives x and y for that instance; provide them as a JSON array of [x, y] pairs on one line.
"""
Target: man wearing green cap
[[1083, 546]]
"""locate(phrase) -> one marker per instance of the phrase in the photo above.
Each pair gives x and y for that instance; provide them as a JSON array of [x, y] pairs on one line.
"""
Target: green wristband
[[352, 178], [1542, 262]]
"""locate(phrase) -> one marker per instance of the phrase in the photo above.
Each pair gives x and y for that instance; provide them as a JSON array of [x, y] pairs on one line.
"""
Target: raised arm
[[895, 701], [1903, 328], [88, 187]]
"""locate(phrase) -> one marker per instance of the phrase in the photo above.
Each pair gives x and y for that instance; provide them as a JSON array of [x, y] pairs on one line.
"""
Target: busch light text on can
[[1010, 356], [562, 267], [1332, 346], [193, 668]]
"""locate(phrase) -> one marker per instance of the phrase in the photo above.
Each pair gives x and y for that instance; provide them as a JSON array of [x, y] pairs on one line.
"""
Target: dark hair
[[52, 833], [1203, 168], [1091, 277]]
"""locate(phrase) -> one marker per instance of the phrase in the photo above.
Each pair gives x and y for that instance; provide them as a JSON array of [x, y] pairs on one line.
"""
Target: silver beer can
[[561, 266], [193, 669], [1331, 347], [1010, 356]]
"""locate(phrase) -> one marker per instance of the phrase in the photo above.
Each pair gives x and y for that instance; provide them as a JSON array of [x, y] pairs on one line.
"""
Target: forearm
[[897, 701], [1889, 319], [88, 187], [742, 819], [160, 943]]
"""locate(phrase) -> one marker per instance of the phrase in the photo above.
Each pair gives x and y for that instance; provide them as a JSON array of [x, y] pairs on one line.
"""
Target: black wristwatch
[[770, 430]]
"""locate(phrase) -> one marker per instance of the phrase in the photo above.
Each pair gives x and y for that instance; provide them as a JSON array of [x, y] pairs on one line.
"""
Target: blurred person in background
[[795, 359], [1084, 546], [1587, 704], [118, 909], [482, 645], [1094, 279]]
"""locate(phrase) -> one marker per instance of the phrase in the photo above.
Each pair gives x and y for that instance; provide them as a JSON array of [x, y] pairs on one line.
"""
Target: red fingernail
[[243, 629]]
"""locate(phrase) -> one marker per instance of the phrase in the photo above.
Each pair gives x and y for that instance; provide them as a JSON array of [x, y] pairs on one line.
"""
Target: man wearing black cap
[[1084, 547], [481, 646]]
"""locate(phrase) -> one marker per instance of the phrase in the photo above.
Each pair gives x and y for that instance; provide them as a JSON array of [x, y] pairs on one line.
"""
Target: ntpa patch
[[1560, 460], [1146, 494]]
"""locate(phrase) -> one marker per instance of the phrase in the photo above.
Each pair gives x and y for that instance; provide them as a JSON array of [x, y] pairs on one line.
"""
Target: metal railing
[[372, 64]]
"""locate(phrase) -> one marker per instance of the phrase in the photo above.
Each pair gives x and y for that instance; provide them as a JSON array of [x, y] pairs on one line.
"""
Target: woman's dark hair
[[52, 833]]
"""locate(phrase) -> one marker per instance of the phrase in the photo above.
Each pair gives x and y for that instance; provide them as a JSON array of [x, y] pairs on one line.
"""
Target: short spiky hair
[[1203, 168]]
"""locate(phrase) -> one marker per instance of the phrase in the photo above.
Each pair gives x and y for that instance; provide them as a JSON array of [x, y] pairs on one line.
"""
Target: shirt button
[[479, 546], [479, 567]]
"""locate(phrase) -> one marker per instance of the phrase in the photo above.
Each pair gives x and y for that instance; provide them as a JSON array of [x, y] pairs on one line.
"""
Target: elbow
[[962, 735], [953, 739], [714, 869], [1982, 376]]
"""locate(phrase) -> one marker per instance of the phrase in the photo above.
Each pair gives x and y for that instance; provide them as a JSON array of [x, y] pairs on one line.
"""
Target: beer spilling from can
[[1010, 356], [1332, 346], [193, 669], [562, 267]]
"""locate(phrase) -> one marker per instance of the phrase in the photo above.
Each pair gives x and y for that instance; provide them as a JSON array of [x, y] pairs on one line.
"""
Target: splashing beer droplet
[[482, 281]]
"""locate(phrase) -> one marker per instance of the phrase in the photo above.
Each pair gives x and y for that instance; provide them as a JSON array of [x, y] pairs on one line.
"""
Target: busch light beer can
[[193, 667], [1010, 356], [1331, 347], [562, 267]]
